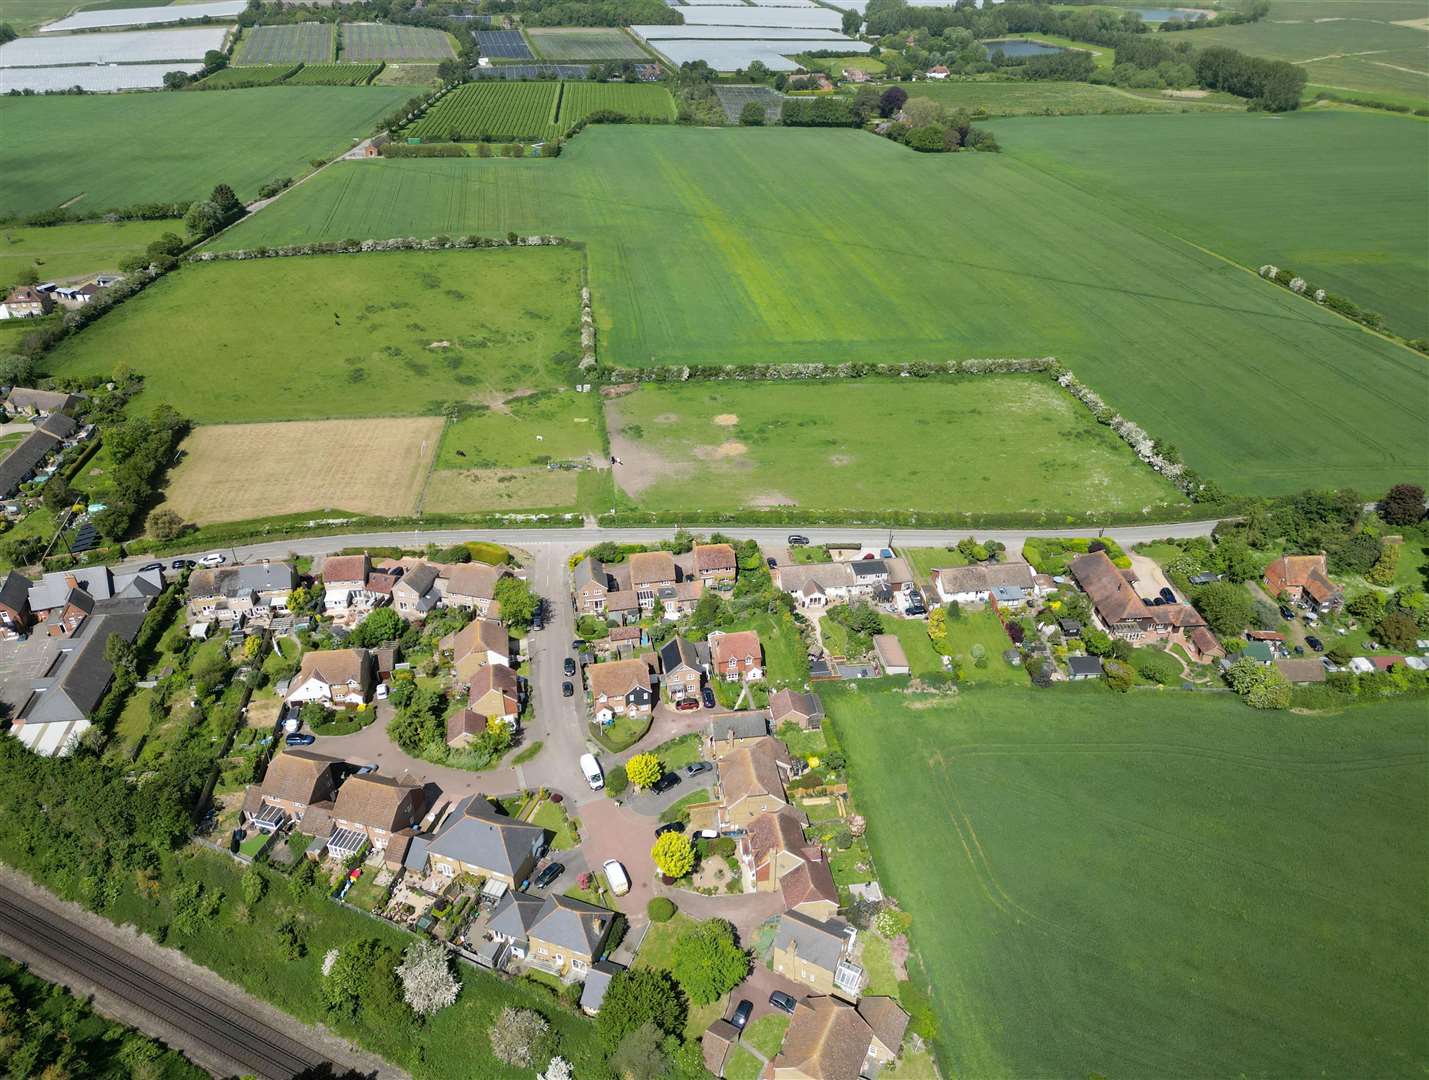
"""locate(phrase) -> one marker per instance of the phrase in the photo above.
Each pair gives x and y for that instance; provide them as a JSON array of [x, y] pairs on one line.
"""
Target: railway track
[[232, 1035]]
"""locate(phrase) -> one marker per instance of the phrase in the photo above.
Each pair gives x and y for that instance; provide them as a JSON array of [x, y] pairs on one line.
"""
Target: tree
[[1118, 675], [865, 103], [254, 885], [938, 630], [17, 370], [1397, 628], [674, 855], [852, 22], [639, 1055], [518, 603], [635, 997], [381, 625], [891, 101], [925, 112], [1382, 572], [1097, 642], [1237, 561], [660, 909], [345, 978], [1227, 609], [1403, 505], [428, 985], [643, 770], [226, 201], [1368, 606], [121, 654], [520, 1037], [707, 962], [926, 140], [203, 219], [752, 115], [165, 525], [1262, 686], [57, 494]]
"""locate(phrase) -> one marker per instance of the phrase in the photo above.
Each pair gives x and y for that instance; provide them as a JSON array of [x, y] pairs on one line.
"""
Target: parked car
[[1299, 650], [147, 567], [741, 1014], [1168, 596], [694, 768], [771, 562], [182, 564], [782, 1001], [591, 768], [299, 739], [798, 540], [569, 666], [538, 620], [1158, 601], [615, 874], [578, 646], [548, 876], [1287, 612], [365, 769], [707, 695], [1315, 643], [213, 558], [669, 826], [686, 704], [665, 783], [567, 690]]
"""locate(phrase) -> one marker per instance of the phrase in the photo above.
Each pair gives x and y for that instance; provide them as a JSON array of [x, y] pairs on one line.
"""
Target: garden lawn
[[553, 816], [912, 634], [1136, 877], [393, 333], [925, 560], [701, 250], [679, 752], [786, 659], [83, 148], [61, 251], [973, 627], [993, 443]]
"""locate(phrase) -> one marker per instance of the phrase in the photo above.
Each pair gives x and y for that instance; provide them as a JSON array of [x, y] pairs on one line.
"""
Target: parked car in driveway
[[665, 783], [569, 666], [687, 704], [1168, 596], [741, 1014], [669, 826], [782, 1001], [615, 874], [707, 695], [298, 739], [1287, 612], [1315, 643], [694, 768], [548, 876]]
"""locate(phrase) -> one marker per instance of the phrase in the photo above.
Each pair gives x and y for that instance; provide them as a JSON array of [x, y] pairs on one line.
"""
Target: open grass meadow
[[557, 425], [1167, 885], [703, 248], [56, 252], [389, 334], [992, 443], [1260, 189], [1053, 99], [102, 151]]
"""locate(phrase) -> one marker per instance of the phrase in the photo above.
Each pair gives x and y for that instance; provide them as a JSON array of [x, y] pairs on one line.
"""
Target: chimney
[[71, 581]]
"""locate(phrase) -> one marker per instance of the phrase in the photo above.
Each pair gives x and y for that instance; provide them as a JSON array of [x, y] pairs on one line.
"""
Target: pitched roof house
[[495, 693], [751, 781], [25, 401], [729, 730], [978, 584], [476, 839], [240, 593], [715, 564], [334, 677], [416, 592], [15, 615], [829, 1039], [478, 644], [376, 808], [818, 954], [556, 933], [620, 688], [1115, 604], [294, 781], [25, 302], [681, 672], [790, 705], [472, 585], [1304, 578], [737, 656], [24, 460], [777, 858], [819, 584]]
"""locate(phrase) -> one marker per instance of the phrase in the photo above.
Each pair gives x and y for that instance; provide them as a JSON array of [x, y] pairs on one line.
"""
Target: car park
[[669, 826], [686, 704], [782, 1001], [741, 1014], [548, 876], [707, 695], [694, 768], [665, 783], [568, 689], [182, 564], [213, 558], [299, 739], [1315, 643], [615, 874], [569, 666], [798, 540]]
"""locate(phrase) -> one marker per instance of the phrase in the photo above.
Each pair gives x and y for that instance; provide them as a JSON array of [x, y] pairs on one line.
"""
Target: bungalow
[[819, 584], [295, 781], [786, 706], [1011, 583], [829, 1039], [472, 585], [24, 401], [938, 71], [26, 459], [1304, 579], [715, 564], [737, 656], [476, 839], [15, 615], [377, 809], [891, 657], [651, 574], [556, 933], [620, 688], [857, 75], [1116, 607], [818, 954], [731, 730], [26, 302], [235, 594], [681, 672], [480, 643], [751, 781], [336, 678]]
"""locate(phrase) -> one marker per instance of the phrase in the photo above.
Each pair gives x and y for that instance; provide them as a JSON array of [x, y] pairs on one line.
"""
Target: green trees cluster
[[1261, 685], [1273, 85], [140, 449]]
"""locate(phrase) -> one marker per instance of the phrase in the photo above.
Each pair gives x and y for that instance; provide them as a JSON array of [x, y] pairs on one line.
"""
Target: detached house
[[1115, 605], [776, 857], [475, 839], [620, 688], [336, 678], [295, 781], [751, 781], [792, 706], [652, 576], [24, 401], [681, 671], [829, 1039], [378, 809], [494, 697], [1304, 579], [26, 302], [818, 954], [737, 657], [62, 600], [50, 436], [480, 643], [592, 586], [348, 585], [1011, 584], [15, 615], [817, 584], [236, 594], [715, 564], [415, 593], [472, 585], [555, 933]]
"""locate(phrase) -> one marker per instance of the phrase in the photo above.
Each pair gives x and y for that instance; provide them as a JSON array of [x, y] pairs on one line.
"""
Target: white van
[[593, 776], [615, 874]]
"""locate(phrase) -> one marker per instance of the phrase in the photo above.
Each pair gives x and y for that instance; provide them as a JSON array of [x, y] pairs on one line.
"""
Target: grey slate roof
[[57, 424], [77, 683], [741, 725], [421, 579], [233, 581], [597, 981], [477, 834], [870, 568], [516, 914], [1084, 665], [677, 653], [23, 460], [820, 943], [572, 924], [416, 860], [15, 590]]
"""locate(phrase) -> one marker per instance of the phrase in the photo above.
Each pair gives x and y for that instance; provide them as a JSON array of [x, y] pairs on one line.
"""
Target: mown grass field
[[533, 429], [1192, 175], [115, 150], [1167, 885], [993, 443], [586, 43], [702, 250], [1051, 98], [60, 251], [308, 43], [581, 99], [391, 334]]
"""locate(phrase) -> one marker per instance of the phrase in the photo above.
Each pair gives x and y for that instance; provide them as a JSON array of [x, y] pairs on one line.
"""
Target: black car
[[577, 646], [1315, 643], [298, 739], [567, 690], [1158, 601], [694, 768], [798, 540], [782, 1001], [569, 666], [1287, 612], [182, 564], [665, 783], [669, 826], [708, 697], [151, 566], [741, 1014], [771, 562], [1168, 596], [548, 876]]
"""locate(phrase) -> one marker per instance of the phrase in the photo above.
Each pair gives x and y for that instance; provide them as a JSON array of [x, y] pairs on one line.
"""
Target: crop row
[[534, 110], [313, 43], [376, 41], [335, 75]]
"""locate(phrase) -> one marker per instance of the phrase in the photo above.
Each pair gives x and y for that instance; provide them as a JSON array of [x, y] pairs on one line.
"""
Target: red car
[[686, 704]]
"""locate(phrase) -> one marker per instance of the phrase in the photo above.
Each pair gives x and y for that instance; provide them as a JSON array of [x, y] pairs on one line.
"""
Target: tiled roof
[[1110, 593], [374, 801], [616, 678], [297, 775]]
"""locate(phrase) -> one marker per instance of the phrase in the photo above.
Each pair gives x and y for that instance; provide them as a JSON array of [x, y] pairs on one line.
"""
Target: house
[[737, 656], [15, 615], [556, 933], [716, 1044], [374, 145], [857, 75], [809, 888], [651, 574], [26, 458], [592, 586], [715, 564], [1011, 583], [817, 953], [471, 585], [476, 839], [415, 593], [1305, 579], [891, 657], [751, 781], [495, 694], [26, 302], [1081, 668], [377, 809], [336, 678], [62, 599], [87, 293], [776, 857], [829, 1039], [480, 643], [681, 672], [730, 730], [818, 584], [347, 585], [620, 688], [1309, 670], [295, 781], [237, 594], [597, 982], [938, 71], [787, 706], [1115, 604], [24, 401]]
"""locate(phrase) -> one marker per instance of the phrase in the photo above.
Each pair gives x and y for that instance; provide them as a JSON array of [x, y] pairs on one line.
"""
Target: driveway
[[759, 985], [610, 831], [371, 746], [745, 910], [1150, 579], [668, 724], [650, 805]]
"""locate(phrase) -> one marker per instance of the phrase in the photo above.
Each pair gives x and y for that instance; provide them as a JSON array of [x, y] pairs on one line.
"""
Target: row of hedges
[[409, 243], [918, 369], [903, 519]]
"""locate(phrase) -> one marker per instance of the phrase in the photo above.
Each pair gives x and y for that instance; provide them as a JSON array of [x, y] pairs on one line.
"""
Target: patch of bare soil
[[440, 345], [840, 459], [618, 390], [668, 418], [723, 450], [727, 419], [772, 498], [1186, 93], [639, 464], [499, 402]]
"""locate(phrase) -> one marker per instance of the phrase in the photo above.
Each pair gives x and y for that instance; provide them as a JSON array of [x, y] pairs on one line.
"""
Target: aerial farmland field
[[56, 252], [384, 41], [710, 254], [580, 99], [308, 43], [1057, 99], [64, 148], [594, 43], [334, 74], [1167, 885], [250, 75], [963, 445], [492, 110]]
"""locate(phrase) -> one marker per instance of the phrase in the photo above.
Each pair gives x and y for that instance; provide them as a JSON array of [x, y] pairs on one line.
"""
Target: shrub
[[616, 781], [520, 1037], [660, 909]]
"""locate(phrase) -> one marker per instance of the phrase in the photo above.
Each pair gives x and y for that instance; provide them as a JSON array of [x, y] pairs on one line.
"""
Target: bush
[[660, 909], [616, 781]]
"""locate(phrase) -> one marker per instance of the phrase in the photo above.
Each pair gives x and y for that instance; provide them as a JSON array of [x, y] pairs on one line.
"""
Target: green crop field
[[1167, 885], [392, 334], [497, 110], [1054, 99], [61, 251], [307, 43], [85, 148], [1191, 176], [989, 443], [334, 74], [580, 99], [593, 43], [383, 41], [703, 250], [252, 75]]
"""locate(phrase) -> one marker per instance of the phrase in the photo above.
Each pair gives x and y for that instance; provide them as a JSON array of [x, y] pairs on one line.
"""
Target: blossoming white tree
[[428, 984]]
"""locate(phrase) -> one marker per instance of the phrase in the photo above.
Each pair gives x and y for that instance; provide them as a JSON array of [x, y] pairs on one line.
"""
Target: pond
[[1157, 15], [1020, 49]]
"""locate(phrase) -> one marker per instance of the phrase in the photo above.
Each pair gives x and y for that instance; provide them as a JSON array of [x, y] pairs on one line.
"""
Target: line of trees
[[140, 449]]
